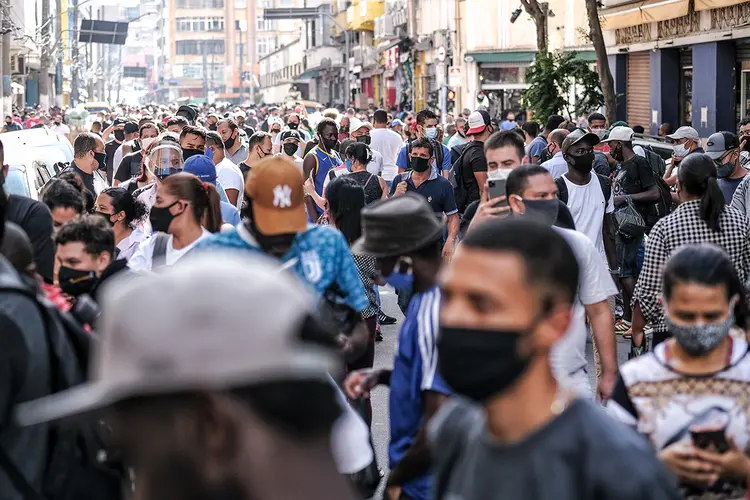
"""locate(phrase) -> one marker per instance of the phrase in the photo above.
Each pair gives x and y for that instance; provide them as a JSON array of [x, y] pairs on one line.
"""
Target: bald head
[[557, 136]]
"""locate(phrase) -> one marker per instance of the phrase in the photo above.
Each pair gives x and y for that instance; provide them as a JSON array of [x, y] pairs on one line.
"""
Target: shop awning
[[586, 55], [502, 57], [310, 73], [715, 4], [642, 12]]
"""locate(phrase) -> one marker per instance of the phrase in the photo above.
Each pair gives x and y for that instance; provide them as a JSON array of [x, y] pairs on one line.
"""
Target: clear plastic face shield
[[165, 160]]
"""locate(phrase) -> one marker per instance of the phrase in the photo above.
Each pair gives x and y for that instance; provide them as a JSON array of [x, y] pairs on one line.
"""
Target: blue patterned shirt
[[320, 256]]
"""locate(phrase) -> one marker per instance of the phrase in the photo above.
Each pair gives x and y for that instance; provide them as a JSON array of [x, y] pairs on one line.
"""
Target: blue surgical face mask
[[402, 276], [209, 153], [430, 133], [348, 165]]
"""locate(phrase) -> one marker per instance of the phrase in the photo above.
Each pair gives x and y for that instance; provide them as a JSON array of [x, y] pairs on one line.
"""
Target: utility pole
[[242, 62], [251, 48], [75, 63], [7, 88], [44, 61], [120, 73], [204, 56]]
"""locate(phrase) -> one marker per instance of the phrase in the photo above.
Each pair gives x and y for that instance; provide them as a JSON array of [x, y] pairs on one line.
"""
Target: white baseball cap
[[624, 134], [685, 132]]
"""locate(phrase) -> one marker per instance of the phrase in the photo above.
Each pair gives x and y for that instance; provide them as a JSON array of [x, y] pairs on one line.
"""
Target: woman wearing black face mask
[[124, 213], [186, 211]]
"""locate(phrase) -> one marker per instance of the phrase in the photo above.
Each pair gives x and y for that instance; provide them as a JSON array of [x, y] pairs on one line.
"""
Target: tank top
[[370, 184], [324, 163]]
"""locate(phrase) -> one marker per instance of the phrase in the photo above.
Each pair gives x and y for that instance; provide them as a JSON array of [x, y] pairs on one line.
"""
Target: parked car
[[26, 179], [658, 145], [37, 145]]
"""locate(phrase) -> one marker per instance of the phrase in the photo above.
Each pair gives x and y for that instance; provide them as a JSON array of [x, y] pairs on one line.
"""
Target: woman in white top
[[689, 396], [164, 158], [186, 210], [124, 213]]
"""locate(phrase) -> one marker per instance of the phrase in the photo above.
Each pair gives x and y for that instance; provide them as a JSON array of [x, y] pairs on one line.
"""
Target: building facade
[[684, 62]]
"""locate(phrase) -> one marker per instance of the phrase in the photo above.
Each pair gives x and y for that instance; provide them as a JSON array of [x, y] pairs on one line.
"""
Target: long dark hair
[[346, 199], [706, 264], [203, 196], [359, 151], [123, 201], [697, 177]]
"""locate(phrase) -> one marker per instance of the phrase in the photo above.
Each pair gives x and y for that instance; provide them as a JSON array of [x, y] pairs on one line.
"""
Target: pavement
[[384, 353]]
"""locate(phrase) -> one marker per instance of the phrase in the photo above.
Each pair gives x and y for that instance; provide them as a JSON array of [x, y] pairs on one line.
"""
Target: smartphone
[[496, 188], [706, 437], [746, 147]]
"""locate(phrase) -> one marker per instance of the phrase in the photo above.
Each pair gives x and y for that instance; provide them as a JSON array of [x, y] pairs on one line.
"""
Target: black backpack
[[456, 178], [77, 456], [604, 182]]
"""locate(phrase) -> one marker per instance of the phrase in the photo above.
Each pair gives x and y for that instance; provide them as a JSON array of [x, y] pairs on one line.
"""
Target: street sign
[[108, 32], [134, 72], [441, 53], [454, 76]]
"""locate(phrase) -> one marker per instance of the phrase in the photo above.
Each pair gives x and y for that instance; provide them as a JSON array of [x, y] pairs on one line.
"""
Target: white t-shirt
[[388, 143], [61, 129], [568, 357], [350, 444], [375, 167], [587, 205], [128, 246], [142, 260], [230, 177]]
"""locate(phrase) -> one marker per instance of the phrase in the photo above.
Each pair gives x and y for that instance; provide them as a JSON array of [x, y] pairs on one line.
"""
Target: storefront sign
[[454, 76]]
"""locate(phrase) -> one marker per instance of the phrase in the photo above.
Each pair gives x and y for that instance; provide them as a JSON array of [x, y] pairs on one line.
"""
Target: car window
[[16, 183], [42, 175]]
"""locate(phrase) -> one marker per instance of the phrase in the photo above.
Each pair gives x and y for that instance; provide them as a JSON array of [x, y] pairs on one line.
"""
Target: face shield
[[165, 160]]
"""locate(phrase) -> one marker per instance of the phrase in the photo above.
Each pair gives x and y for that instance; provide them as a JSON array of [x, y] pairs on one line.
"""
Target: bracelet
[[614, 271]]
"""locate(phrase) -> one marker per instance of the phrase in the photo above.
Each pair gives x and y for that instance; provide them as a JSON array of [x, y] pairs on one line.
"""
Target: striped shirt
[[414, 371], [685, 227]]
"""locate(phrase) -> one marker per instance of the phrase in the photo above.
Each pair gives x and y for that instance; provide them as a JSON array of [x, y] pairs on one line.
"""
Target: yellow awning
[[642, 12], [715, 4]]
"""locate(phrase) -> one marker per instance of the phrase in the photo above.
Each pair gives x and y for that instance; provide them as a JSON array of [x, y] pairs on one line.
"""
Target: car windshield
[[16, 182]]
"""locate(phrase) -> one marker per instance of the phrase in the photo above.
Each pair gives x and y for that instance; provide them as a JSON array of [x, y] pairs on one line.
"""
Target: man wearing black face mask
[[532, 196], [89, 160], [525, 434], [85, 249], [192, 141], [634, 183], [587, 194], [426, 181], [290, 145]]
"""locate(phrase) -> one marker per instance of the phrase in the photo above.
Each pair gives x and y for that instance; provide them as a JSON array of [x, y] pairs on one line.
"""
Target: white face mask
[[600, 132], [145, 143], [499, 173], [680, 150]]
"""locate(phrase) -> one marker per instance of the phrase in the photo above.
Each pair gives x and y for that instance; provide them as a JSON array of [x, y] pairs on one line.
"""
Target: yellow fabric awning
[[647, 11], [715, 4]]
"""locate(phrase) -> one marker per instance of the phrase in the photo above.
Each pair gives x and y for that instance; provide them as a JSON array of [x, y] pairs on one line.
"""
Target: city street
[[384, 352]]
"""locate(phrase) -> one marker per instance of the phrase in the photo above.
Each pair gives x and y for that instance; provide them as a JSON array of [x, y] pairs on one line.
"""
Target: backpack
[[657, 163], [456, 178], [664, 205], [159, 257], [604, 182], [77, 456]]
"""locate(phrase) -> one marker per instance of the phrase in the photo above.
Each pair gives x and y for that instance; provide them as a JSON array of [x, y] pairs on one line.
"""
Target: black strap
[[159, 257]]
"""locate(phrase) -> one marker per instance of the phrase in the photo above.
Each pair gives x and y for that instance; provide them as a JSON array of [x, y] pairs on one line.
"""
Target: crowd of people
[[192, 309]]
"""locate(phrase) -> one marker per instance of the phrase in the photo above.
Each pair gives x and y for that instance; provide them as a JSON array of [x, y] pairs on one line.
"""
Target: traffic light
[[451, 95]]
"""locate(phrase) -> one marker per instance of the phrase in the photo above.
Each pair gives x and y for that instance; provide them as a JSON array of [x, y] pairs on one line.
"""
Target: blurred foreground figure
[[210, 397]]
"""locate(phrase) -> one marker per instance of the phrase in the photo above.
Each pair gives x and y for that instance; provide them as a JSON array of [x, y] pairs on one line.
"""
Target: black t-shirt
[[635, 176], [474, 160], [35, 218], [130, 166], [110, 149]]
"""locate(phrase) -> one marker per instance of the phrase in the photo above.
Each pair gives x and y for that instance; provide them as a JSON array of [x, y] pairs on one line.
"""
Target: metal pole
[[7, 87], [204, 58], [119, 73], [75, 64], [242, 63], [251, 48], [44, 60], [348, 69]]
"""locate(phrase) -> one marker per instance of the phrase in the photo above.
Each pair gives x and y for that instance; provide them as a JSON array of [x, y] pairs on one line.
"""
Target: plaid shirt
[[684, 227]]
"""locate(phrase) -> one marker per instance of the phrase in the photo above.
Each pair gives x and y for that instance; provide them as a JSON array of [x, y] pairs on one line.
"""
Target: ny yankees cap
[[202, 325], [275, 188]]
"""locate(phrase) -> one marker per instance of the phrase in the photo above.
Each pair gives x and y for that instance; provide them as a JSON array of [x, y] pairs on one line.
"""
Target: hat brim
[[715, 155], [272, 221], [476, 130], [365, 246]]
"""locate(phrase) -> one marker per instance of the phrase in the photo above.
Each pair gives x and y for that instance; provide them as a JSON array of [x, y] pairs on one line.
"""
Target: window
[[199, 47], [215, 24], [286, 3], [240, 4], [266, 4], [264, 24], [240, 50], [200, 4], [265, 45], [195, 71]]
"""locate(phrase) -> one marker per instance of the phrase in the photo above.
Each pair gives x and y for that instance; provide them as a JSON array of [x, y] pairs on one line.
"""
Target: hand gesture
[[488, 209], [733, 464], [358, 384], [400, 189], [683, 460]]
